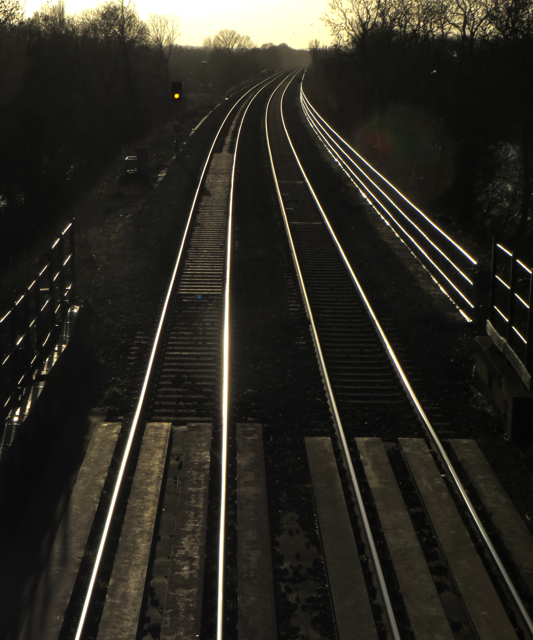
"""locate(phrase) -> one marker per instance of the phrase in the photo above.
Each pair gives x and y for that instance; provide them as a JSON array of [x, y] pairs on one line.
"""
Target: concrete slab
[[183, 605], [504, 516], [257, 613], [160, 555], [24, 550], [486, 611], [122, 608], [505, 389], [353, 614], [420, 595], [53, 594]]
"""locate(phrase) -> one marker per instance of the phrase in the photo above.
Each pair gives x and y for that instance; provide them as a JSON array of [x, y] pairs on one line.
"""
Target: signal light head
[[176, 91]]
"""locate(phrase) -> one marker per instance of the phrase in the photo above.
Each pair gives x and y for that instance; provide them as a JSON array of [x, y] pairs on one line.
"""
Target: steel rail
[[377, 203], [324, 136], [426, 218], [147, 378], [337, 419], [425, 420], [225, 383]]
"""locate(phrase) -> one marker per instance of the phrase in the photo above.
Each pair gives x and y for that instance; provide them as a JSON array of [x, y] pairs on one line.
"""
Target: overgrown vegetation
[[439, 96], [75, 88]]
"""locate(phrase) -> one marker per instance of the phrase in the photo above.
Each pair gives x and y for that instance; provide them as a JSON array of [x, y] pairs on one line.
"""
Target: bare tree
[[52, 18], [513, 22], [231, 40], [350, 21], [246, 42], [119, 21], [119, 27], [436, 22], [11, 12], [163, 33], [226, 39], [470, 20], [12, 50], [383, 35]]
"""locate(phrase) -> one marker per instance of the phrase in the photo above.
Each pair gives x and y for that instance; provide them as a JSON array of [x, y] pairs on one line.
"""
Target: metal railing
[[510, 319], [449, 264], [31, 328]]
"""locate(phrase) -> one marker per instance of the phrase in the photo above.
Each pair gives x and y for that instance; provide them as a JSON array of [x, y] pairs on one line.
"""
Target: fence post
[[15, 360], [510, 306], [6, 364], [529, 331], [27, 346], [72, 300], [493, 267], [39, 329], [52, 289], [61, 279]]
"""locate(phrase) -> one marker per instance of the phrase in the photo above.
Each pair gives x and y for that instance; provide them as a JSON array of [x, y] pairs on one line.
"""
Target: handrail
[[30, 329], [510, 308]]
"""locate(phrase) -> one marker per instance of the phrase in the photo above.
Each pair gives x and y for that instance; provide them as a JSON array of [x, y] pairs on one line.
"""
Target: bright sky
[[294, 22]]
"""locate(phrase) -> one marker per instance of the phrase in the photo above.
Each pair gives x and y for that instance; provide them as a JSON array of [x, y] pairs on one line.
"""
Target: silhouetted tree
[[11, 12], [75, 89], [163, 34], [231, 40], [468, 64], [512, 21], [470, 20]]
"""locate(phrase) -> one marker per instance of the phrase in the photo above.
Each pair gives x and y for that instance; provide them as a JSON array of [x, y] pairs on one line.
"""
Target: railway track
[[280, 477], [450, 265]]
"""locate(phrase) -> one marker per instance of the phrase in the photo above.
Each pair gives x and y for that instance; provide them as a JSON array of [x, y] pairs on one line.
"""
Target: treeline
[[75, 88], [439, 95], [227, 59], [71, 89]]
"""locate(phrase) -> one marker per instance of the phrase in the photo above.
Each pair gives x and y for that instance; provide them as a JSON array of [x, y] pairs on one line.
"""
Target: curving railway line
[[279, 477]]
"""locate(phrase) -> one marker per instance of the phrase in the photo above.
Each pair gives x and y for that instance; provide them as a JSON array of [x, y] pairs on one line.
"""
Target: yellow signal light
[[176, 91]]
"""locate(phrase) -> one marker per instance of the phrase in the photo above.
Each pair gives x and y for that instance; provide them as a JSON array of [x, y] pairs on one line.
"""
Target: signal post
[[176, 96]]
